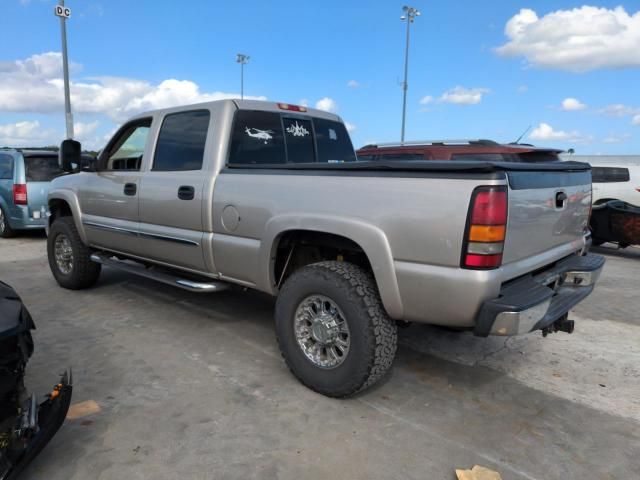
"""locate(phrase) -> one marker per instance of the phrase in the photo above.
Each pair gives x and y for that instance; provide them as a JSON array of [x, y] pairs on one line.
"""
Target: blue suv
[[24, 184]]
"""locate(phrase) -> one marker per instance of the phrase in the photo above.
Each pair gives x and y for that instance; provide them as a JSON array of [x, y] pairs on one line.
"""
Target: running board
[[163, 277]]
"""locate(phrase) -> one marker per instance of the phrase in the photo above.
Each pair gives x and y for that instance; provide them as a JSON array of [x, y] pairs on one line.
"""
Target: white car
[[615, 177]]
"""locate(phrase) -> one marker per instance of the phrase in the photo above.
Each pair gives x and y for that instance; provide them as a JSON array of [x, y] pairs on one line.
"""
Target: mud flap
[[35, 429]]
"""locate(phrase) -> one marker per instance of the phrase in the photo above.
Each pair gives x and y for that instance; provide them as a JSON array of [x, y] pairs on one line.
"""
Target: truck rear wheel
[[332, 329], [69, 258]]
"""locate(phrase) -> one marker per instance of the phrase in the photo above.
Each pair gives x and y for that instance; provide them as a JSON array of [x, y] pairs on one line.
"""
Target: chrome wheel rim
[[63, 253], [2, 226], [322, 331]]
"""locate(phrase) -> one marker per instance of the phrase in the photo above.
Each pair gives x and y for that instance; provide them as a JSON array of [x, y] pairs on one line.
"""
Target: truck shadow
[[612, 250]]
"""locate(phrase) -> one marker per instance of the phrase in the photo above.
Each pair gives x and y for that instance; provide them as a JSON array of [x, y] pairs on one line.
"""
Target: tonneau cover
[[429, 166]]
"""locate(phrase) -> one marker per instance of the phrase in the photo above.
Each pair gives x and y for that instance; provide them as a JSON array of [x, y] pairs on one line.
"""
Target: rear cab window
[[42, 168], [270, 138]]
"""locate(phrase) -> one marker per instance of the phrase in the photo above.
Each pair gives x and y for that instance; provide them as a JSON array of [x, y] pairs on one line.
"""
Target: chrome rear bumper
[[534, 302]]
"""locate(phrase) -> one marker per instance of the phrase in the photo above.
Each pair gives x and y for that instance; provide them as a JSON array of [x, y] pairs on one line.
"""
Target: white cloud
[[25, 133], [635, 120], [83, 130], [35, 85], [545, 132], [426, 100], [572, 104], [303, 102], [617, 138], [463, 96], [523, 89], [619, 110], [578, 40], [327, 104], [353, 84], [350, 127]]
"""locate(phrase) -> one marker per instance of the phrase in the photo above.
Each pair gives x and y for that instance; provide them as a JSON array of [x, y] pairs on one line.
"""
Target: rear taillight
[[19, 194], [486, 228]]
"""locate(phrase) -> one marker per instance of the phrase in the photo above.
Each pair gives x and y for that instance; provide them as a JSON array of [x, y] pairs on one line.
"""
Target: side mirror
[[70, 154]]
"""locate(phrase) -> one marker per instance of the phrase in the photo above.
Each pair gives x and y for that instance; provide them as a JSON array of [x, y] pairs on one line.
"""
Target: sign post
[[64, 13]]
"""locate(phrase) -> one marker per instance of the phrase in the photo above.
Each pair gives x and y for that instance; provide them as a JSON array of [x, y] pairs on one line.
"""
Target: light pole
[[242, 59], [64, 13], [410, 14]]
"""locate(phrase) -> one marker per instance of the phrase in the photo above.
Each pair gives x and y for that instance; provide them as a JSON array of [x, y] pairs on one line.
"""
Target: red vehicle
[[457, 150]]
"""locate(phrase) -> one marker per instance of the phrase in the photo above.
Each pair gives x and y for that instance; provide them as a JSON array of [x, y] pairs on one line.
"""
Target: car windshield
[[524, 157], [42, 169]]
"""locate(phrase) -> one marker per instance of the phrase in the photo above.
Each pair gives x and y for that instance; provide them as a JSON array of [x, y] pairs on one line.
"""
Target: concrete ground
[[193, 386]]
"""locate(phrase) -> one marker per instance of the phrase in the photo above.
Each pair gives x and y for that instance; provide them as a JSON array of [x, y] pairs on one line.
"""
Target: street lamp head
[[410, 13], [242, 58]]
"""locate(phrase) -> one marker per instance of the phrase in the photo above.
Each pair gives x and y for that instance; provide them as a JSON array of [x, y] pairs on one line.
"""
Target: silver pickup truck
[[270, 196]]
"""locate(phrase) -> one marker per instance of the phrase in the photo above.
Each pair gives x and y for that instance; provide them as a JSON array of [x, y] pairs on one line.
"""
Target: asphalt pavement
[[193, 386]]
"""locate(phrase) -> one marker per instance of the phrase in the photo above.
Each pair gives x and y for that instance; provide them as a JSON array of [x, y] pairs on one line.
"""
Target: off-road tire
[[7, 232], [84, 273], [373, 334]]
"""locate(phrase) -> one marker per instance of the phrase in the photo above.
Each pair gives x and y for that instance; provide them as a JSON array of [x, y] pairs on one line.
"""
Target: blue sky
[[477, 69]]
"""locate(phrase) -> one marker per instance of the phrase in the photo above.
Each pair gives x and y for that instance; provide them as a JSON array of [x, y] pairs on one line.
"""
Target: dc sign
[[61, 11]]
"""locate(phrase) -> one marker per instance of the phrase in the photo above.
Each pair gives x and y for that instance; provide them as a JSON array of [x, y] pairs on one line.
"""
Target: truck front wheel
[[332, 329], [69, 258]]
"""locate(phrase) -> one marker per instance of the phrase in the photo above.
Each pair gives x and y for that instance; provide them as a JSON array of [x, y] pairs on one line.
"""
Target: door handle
[[561, 197], [186, 192], [130, 189]]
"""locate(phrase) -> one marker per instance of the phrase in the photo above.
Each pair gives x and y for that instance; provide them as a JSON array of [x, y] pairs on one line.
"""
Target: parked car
[[24, 183], [616, 198], [270, 196], [462, 150], [615, 181]]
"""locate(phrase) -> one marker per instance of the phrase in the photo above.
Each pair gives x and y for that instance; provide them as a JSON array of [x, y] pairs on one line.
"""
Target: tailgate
[[546, 210], [37, 197]]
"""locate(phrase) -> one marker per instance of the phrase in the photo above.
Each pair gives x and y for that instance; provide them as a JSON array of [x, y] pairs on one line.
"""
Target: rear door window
[[6, 166], [609, 174], [42, 169], [257, 139], [181, 141]]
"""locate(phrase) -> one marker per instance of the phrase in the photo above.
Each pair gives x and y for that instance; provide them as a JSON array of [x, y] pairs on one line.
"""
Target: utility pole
[[242, 59], [64, 13], [410, 14]]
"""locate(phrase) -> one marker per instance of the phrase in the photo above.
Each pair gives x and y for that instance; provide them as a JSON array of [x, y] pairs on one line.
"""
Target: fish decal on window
[[297, 130], [264, 135]]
